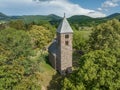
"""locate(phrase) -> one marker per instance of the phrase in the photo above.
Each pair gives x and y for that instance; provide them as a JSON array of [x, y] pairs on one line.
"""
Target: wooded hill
[[75, 20]]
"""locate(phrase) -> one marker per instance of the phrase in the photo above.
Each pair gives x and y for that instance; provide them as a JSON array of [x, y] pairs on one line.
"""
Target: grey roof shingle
[[64, 27], [52, 48]]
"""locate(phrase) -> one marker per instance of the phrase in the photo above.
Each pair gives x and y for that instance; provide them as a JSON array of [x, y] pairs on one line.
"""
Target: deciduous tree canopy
[[40, 36], [16, 68], [99, 68]]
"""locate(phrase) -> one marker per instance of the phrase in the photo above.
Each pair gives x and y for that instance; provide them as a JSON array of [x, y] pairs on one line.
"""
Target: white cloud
[[115, 0], [47, 7], [108, 4], [99, 9], [95, 14], [61, 6]]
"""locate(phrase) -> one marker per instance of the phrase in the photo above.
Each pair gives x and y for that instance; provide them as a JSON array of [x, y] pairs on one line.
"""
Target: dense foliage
[[106, 35], [19, 59], [17, 70], [80, 39], [40, 36], [17, 24], [97, 71], [99, 68]]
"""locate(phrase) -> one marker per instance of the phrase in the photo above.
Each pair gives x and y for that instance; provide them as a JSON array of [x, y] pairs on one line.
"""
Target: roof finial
[[64, 15]]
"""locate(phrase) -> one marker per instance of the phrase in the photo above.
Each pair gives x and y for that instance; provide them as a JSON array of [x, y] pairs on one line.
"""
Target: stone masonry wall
[[52, 60], [64, 52]]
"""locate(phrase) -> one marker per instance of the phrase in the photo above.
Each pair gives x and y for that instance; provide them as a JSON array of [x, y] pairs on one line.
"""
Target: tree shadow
[[47, 59], [55, 83]]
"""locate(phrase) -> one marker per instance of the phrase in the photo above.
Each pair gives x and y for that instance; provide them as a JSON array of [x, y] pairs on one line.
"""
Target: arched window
[[66, 36], [66, 43]]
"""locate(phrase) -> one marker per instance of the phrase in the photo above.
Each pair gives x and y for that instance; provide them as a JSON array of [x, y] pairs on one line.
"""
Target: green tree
[[99, 68], [106, 35], [80, 39], [40, 36], [15, 65], [97, 71], [16, 41], [17, 24]]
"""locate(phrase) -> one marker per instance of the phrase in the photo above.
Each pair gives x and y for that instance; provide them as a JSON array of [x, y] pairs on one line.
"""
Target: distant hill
[[81, 20], [3, 16], [37, 18], [30, 18], [79, 17], [54, 17], [76, 20], [115, 15]]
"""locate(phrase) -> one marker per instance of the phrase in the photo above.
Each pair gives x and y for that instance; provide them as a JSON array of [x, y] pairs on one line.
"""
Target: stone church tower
[[60, 51], [64, 47]]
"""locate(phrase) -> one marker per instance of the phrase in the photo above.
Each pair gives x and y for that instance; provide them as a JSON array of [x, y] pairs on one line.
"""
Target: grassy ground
[[48, 77], [47, 74]]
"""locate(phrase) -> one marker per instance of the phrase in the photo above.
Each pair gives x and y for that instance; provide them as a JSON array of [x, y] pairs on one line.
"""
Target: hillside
[[76, 20], [81, 20], [115, 15], [3, 16], [37, 18], [30, 18], [79, 17]]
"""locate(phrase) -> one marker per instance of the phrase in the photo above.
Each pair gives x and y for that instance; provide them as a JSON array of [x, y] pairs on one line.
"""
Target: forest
[[24, 61]]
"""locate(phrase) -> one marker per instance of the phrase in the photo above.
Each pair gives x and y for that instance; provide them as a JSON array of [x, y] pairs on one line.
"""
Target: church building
[[60, 51]]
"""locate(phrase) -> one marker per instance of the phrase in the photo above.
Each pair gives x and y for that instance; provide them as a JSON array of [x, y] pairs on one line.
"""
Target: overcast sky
[[93, 8]]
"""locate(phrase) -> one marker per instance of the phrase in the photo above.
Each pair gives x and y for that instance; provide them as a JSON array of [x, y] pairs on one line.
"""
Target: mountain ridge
[[53, 15], [52, 18]]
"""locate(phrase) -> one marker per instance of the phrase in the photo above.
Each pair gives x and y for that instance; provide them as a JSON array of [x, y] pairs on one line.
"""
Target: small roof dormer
[[64, 26]]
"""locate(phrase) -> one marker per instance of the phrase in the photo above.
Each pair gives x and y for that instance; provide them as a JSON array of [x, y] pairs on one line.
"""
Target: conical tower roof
[[64, 27]]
